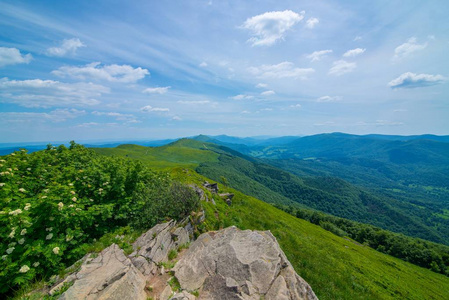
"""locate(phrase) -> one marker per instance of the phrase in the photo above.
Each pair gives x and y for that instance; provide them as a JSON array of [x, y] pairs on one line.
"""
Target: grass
[[184, 153]]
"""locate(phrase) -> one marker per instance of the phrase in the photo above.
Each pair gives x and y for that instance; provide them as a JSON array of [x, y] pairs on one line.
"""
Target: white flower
[[71, 184], [71, 205], [49, 229], [68, 238], [2, 160], [106, 183], [21, 241], [22, 190], [60, 205], [15, 212], [4, 257], [10, 250], [46, 190], [91, 200], [12, 244], [27, 206], [12, 154], [2, 184], [36, 264], [49, 236], [9, 169], [28, 169], [23, 232], [78, 209], [43, 197], [24, 269], [74, 199], [72, 192], [56, 250]]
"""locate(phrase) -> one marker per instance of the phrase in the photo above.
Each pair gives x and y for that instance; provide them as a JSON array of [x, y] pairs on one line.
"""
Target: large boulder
[[110, 275], [235, 264]]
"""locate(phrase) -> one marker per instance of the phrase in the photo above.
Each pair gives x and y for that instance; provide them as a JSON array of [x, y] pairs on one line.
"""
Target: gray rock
[[110, 275], [183, 296], [235, 264]]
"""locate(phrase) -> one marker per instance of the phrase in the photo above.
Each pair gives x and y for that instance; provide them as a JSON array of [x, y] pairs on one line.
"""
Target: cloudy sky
[[90, 70]]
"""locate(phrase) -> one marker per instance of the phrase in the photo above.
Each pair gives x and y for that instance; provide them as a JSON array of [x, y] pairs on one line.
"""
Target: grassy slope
[[335, 267], [184, 153]]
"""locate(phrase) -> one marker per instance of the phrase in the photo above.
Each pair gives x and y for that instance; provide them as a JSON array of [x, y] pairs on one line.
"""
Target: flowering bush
[[54, 202]]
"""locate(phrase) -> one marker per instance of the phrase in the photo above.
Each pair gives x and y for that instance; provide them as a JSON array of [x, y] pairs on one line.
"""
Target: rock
[[199, 192], [183, 296], [213, 187], [227, 198], [110, 275], [235, 264], [166, 293]]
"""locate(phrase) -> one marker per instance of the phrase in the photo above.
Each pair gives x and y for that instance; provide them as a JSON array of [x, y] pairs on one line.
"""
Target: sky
[[111, 70]]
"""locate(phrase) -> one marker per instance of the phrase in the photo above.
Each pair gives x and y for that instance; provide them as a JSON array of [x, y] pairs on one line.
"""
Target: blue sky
[[89, 70]]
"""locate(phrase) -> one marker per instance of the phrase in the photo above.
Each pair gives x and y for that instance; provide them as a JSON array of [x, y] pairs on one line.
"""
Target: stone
[[235, 264], [184, 295], [110, 275], [166, 293]]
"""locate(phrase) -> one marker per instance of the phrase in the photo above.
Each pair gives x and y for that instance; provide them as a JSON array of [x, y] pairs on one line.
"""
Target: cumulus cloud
[[283, 70], [242, 97], [267, 93], [67, 47], [58, 115], [408, 48], [329, 99], [341, 67], [149, 108], [312, 22], [156, 90], [95, 71], [317, 55], [272, 26], [411, 80], [12, 56], [354, 52], [44, 93], [261, 85]]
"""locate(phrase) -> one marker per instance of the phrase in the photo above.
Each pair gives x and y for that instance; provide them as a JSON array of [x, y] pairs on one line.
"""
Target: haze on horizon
[[91, 70]]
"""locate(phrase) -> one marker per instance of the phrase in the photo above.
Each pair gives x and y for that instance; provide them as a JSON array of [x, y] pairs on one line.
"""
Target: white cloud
[[37, 92], [408, 48], [241, 97], [296, 106], [357, 38], [267, 93], [354, 52], [387, 123], [12, 56], [317, 55], [283, 70], [245, 112], [176, 118], [312, 22], [118, 116], [203, 64], [88, 124], [341, 67], [272, 26], [329, 99], [193, 102], [411, 80], [261, 85], [67, 47], [112, 73], [149, 108], [156, 90], [266, 109], [58, 115]]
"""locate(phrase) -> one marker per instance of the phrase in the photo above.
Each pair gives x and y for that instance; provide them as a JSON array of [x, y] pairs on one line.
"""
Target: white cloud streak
[[282, 70], [56, 116], [341, 67], [270, 27], [156, 90], [67, 47], [317, 55], [45, 93], [411, 80], [267, 93], [312, 22], [94, 71], [408, 48], [12, 56], [329, 99], [354, 52], [149, 108]]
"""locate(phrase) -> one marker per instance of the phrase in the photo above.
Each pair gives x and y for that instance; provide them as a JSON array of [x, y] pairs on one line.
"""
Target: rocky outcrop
[[235, 264], [110, 275], [227, 264]]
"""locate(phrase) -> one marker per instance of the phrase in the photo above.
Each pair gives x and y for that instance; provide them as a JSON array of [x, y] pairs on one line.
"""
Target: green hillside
[[335, 267]]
